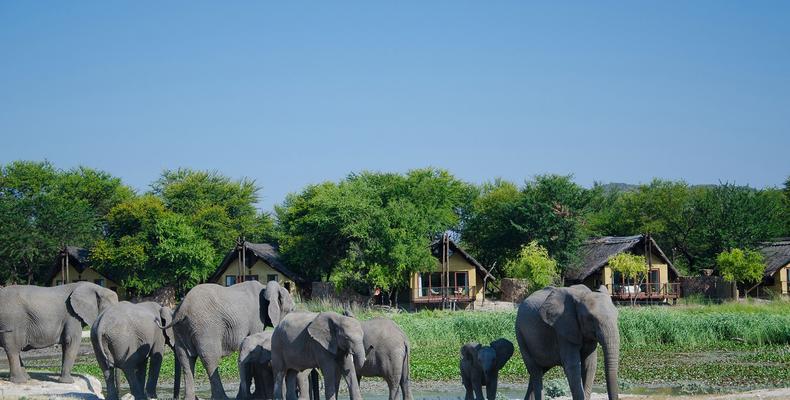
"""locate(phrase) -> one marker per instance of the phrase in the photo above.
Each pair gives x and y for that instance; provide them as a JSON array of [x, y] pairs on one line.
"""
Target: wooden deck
[[433, 295], [645, 292]]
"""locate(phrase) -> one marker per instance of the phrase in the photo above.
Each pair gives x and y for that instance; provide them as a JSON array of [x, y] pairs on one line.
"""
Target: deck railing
[[652, 290], [437, 293]]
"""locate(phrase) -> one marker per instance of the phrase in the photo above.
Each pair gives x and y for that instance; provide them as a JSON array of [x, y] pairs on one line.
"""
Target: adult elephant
[[329, 341], [563, 327], [480, 367], [212, 321], [128, 337], [388, 355], [35, 317]]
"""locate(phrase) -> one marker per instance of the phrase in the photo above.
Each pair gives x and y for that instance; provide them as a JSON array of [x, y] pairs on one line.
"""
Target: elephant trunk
[[611, 357]]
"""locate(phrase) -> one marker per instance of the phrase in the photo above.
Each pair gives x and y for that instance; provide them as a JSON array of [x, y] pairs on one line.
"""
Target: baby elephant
[[480, 367], [128, 336], [255, 362]]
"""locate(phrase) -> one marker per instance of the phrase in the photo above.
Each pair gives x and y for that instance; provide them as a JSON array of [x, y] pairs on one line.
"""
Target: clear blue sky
[[306, 92]]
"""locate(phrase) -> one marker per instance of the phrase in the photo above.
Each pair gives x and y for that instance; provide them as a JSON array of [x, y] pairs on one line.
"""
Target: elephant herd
[[554, 327]]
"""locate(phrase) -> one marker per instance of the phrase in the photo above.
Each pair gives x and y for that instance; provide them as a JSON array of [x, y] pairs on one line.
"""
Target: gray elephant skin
[[35, 317], [328, 341], [563, 327], [387, 355], [255, 362], [480, 367], [212, 321], [128, 336]]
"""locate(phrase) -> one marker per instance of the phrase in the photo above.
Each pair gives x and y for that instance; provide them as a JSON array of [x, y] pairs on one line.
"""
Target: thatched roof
[[776, 255], [257, 251], [436, 249], [79, 258], [595, 253]]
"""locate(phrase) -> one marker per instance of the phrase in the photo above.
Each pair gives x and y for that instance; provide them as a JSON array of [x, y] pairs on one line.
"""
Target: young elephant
[[128, 336], [255, 362], [480, 367], [329, 341], [388, 356]]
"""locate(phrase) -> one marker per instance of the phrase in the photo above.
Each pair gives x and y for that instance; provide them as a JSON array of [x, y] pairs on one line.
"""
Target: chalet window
[[250, 278], [271, 277], [99, 282], [230, 280]]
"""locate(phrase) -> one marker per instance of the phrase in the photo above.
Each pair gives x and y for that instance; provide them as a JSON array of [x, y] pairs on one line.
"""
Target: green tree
[[632, 267], [219, 208], [371, 229], [487, 231], [149, 247], [42, 208], [741, 266], [534, 264], [694, 224]]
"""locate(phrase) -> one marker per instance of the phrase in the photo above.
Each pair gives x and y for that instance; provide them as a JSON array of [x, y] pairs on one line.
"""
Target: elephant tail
[[101, 345], [404, 375], [168, 326]]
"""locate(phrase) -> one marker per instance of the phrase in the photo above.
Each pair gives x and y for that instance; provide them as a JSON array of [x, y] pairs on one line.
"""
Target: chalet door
[[461, 283], [655, 280]]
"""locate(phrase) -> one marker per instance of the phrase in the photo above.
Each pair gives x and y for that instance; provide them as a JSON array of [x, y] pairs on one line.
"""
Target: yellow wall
[[90, 275], [261, 269], [457, 263], [780, 280]]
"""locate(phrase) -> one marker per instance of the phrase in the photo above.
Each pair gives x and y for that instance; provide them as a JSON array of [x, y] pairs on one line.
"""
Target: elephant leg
[[244, 381], [18, 373], [588, 373], [290, 385], [469, 389], [154, 366], [211, 363], [535, 389], [279, 377], [572, 365], [329, 370], [477, 384], [392, 385], [350, 374], [188, 366], [130, 371], [303, 384], [491, 386], [72, 336], [112, 388]]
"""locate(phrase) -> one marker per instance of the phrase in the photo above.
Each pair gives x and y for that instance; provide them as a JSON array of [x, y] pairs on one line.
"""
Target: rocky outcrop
[[44, 385]]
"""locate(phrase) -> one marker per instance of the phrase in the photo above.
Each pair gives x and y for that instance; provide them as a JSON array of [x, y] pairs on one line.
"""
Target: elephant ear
[[504, 350], [286, 301], [85, 303], [469, 351], [559, 312], [322, 329], [272, 295]]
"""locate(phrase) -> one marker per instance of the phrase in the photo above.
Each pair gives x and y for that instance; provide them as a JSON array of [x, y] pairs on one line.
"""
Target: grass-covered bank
[[729, 345]]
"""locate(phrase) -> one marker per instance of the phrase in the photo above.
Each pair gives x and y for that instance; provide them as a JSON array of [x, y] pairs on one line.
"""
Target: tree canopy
[[371, 229]]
